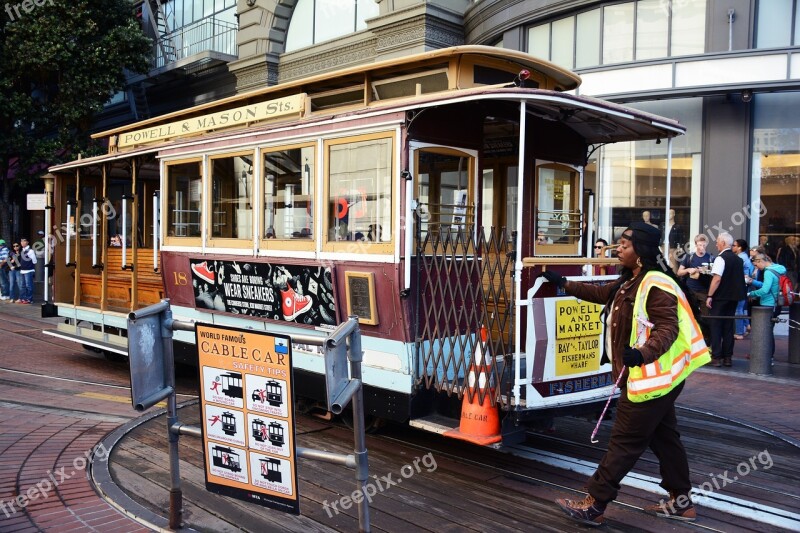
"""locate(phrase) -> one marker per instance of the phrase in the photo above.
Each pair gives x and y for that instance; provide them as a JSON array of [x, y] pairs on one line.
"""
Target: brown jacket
[[662, 311]]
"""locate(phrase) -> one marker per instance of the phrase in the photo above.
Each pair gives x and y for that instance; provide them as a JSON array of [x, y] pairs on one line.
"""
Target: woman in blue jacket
[[770, 287]]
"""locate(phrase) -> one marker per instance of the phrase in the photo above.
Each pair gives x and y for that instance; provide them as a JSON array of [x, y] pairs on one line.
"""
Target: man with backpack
[[769, 293]]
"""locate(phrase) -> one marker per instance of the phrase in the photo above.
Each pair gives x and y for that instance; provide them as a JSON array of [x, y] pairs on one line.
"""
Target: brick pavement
[[44, 448], [764, 402], [43, 468]]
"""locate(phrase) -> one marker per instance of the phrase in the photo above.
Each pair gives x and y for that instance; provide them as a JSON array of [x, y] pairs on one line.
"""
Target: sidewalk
[[768, 403]]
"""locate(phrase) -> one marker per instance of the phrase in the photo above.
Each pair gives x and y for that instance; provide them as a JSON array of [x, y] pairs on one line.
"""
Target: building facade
[[729, 71]]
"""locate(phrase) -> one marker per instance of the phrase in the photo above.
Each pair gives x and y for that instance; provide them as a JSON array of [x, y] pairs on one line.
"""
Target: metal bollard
[[761, 340], [794, 333]]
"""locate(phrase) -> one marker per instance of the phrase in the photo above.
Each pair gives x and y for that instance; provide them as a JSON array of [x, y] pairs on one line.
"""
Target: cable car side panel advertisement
[[247, 399]]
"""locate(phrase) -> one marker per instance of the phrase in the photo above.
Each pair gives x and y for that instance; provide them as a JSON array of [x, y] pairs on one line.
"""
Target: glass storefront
[[776, 169], [632, 182]]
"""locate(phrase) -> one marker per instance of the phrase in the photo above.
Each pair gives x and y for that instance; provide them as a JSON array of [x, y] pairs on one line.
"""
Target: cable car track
[[78, 381], [455, 456], [695, 471], [758, 499]]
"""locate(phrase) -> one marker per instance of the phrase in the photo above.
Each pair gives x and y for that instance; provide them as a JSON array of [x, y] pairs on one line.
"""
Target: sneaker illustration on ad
[[202, 271], [293, 304]]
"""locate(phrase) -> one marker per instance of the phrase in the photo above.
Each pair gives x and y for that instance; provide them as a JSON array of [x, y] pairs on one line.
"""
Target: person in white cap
[[27, 267]]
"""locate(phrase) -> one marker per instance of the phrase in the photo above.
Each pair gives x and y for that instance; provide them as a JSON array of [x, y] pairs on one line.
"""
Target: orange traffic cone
[[480, 422]]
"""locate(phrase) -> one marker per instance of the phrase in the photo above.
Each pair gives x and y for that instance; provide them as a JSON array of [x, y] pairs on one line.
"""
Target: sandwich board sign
[[247, 410]]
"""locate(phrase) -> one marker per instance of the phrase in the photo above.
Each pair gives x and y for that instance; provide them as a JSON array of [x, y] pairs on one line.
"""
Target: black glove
[[554, 277], [632, 357]]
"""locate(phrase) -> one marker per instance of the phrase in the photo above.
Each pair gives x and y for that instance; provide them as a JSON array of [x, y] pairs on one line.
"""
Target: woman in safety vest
[[653, 337]]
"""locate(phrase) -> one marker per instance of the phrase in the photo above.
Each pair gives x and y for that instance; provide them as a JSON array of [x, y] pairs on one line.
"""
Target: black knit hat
[[645, 234]]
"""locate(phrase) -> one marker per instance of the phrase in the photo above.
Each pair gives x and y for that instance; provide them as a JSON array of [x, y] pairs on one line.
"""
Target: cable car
[[232, 384], [404, 192], [228, 423], [274, 393], [224, 457], [271, 470], [276, 434], [259, 429]]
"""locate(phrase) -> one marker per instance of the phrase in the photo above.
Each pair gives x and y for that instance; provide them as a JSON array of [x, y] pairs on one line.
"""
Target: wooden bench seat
[[150, 288]]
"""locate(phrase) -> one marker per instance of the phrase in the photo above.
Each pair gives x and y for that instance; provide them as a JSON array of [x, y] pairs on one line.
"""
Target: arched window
[[316, 21]]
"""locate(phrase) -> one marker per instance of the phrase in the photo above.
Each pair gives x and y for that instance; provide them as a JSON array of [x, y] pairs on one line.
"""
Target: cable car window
[[443, 190], [558, 220], [184, 204], [232, 197], [359, 194], [288, 186]]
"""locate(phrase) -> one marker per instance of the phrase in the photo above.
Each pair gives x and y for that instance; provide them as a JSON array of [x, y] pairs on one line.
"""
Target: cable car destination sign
[[578, 329], [247, 409], [270, 109]]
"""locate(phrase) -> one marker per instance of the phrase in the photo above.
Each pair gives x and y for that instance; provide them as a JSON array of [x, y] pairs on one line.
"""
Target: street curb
[[100, 477]]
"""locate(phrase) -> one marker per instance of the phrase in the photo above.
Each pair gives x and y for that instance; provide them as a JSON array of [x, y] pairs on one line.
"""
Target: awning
[[106, 158]]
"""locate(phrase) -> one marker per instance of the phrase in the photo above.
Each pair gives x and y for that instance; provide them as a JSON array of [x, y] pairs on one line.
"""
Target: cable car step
[[434, 423], [103, 341]]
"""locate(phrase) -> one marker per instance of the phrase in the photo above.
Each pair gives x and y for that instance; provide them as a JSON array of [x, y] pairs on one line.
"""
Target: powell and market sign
[[280, 107]]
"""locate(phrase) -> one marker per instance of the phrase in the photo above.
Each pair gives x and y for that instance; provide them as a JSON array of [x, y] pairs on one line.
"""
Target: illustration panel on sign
[[272, 474], [225, 425], [269, 435], [228, 462], [268, 396], [223, 386]]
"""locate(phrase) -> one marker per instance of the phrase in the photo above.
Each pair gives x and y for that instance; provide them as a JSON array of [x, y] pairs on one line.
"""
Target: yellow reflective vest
[[687, 353]]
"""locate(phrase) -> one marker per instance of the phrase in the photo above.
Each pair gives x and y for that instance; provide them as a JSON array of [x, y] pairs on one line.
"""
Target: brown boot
[[587, 511], [727, 362], [678, 507]]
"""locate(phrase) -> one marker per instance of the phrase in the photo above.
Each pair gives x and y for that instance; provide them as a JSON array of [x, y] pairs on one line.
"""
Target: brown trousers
[[638, 426]]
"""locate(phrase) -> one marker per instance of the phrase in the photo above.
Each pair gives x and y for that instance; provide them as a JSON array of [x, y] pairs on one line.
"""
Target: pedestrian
[[770, 288], [5, 254], [651, 327], [600, 251], [675, 239], [695, 269], [13, 273], [726, 289], [757, 278], [27, 268], [788, 256], [739, 247], [766, 244]]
